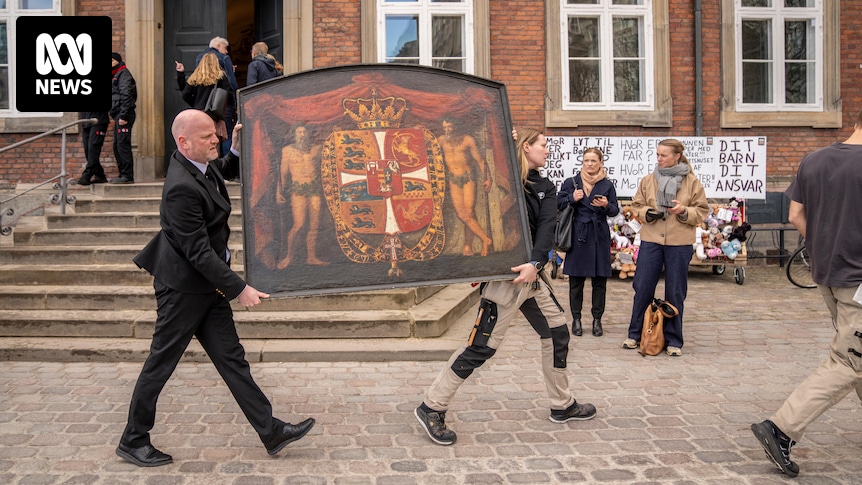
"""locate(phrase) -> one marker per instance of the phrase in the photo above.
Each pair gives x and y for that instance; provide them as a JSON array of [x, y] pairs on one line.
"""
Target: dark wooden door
[[189, 27], [268, 25]]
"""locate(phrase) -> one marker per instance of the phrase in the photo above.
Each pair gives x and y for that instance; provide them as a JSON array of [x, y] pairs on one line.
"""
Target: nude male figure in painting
[[458, 151], [299, 177]]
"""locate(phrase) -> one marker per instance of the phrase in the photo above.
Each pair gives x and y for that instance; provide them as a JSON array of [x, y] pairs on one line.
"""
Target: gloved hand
[[653, 215]]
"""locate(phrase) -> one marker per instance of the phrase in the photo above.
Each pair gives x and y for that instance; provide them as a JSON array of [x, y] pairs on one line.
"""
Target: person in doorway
[[124, 95], [673, 203], [194, 285], [93, 137], [460, 153], [594, 199], [262, 66], [197, 89], [822, 196], [531, 294], [219, 47]]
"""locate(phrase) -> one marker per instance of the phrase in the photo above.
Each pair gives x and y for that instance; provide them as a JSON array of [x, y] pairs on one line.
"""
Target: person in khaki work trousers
[[501, 300], [823, 201]]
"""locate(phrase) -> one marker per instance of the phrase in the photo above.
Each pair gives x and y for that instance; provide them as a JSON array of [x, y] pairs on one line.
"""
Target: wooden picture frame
[[378, 176]]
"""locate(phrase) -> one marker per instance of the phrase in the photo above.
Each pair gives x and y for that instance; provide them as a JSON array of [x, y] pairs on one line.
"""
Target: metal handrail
[[62, 176]]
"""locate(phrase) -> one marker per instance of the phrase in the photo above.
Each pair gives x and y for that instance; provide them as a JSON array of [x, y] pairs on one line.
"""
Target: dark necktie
[[211, 176]]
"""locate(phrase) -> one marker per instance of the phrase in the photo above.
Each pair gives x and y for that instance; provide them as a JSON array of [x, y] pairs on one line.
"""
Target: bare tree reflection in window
[[799, 69], [447, 49], [628, 60], [757, 62], [584, 60]]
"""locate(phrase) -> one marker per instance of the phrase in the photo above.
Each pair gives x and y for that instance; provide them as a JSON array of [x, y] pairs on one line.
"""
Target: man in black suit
[[194, 285]]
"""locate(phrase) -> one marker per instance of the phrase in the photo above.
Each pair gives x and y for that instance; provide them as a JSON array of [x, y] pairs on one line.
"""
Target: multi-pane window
[[10, 10], [780, 57], [435, 33], [607, 54]]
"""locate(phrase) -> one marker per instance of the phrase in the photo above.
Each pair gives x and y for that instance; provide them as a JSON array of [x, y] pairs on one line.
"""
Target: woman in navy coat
[[594, 199]]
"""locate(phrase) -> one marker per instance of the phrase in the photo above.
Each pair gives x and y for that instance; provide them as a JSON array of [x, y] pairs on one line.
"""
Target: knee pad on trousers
[[560, 338], [471, 359]]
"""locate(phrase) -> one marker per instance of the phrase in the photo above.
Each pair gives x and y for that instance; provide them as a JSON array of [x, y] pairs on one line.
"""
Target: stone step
[[50, 255], [430, 318], [76, 274], [103, 236], [145, 190], [118, 220], [128, 297]]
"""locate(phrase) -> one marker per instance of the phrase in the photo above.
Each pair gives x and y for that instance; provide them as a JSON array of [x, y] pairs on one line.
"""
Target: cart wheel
[[739, 275], [718, 269]]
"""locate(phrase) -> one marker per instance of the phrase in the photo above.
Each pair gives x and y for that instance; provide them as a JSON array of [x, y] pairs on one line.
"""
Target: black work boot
[[577, 328], [597, 328]]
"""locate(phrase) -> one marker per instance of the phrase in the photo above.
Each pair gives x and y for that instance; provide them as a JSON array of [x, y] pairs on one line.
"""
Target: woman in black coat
[[196, 91], [594, 199]]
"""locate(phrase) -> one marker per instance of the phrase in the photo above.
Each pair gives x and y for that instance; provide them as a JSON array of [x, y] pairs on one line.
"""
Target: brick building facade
[[322, 33]]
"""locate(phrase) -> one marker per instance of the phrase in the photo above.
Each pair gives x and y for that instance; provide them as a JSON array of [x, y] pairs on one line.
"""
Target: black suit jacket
[[188, 254]]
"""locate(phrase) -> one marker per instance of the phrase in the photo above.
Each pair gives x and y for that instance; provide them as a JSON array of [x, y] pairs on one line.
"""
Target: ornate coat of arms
[[384, 184]]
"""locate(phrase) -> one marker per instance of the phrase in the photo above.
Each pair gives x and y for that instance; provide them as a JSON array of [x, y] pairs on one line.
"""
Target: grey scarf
[[668, 180]]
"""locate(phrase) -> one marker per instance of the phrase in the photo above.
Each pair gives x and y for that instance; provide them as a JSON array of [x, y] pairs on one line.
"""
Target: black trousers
[[123, 150], [93, 137], [210, 319], [576, 295]]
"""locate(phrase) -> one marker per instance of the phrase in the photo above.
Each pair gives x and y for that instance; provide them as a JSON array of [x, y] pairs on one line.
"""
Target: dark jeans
[[93, 137], [123, 150], [652, 258], [576, 295]]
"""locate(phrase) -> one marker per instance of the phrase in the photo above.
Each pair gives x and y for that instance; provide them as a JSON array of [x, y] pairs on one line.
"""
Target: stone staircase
[[69, 291]]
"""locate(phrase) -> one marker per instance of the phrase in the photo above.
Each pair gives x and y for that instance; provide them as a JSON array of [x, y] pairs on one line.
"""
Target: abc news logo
[[63, 64]]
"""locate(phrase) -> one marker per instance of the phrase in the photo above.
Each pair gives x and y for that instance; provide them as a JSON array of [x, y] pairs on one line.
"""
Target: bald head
[[194, 132]]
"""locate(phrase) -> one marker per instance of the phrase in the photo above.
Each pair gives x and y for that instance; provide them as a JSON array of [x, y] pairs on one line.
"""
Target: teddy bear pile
[[625, 242], [718, 240]]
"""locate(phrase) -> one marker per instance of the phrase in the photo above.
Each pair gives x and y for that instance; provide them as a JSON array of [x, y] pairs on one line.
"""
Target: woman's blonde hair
[[528, 136], [208, 71], [677, 147]]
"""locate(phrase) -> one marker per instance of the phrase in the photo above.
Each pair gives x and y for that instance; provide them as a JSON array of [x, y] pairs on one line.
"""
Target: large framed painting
[[378, 176]]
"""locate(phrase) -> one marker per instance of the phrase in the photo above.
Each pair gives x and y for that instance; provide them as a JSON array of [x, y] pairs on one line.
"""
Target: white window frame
[[10, 14], [777, 15], [829, 114], [425, 10], [480, 38], [659, 115], [606, 11]]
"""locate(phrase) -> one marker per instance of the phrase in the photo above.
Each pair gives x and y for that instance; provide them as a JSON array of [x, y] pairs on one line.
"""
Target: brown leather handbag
[[652, 334]]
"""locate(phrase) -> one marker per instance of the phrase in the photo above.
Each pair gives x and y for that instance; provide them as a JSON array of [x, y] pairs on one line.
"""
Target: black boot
[[577, 329], [597, 327]]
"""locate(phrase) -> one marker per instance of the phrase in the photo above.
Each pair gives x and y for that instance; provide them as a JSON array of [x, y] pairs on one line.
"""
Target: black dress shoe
[[146, 455], [577, 328], [121, 180], [287, 434], [99, 180], [597, 327], [83, 181]]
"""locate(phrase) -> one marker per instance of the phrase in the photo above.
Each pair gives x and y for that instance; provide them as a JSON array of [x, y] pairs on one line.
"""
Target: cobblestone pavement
[[660, 420]]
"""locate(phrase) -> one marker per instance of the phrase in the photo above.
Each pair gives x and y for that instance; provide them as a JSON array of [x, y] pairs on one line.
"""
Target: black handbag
[[216, 103], [563, 230]]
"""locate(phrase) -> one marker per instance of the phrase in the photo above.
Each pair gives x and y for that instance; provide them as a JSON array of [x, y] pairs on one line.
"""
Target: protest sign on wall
[[728, 166]]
